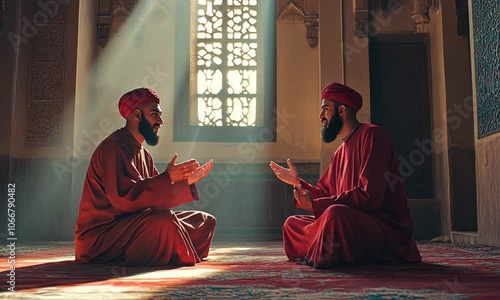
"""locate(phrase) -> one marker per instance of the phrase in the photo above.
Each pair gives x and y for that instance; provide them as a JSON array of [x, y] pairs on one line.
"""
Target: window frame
[[183, 131]]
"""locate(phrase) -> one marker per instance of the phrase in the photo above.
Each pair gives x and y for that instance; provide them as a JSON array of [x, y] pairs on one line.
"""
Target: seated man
[[125, 211], [360, 211]]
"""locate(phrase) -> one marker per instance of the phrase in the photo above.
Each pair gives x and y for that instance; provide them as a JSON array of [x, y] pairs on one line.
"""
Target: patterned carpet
[[254, 270]]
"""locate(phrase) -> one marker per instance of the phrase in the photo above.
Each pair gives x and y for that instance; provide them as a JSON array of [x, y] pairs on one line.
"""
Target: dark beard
[[330, 133], [147, 132]]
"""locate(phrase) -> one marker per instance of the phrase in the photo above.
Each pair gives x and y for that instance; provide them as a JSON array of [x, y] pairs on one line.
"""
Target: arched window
[[225, 70]]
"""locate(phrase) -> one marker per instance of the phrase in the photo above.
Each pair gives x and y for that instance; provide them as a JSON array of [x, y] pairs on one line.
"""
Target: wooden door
[[400, 101]]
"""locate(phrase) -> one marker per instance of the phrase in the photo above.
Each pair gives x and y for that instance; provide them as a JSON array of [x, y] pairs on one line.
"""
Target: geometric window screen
[[225, 60], [225, 71]]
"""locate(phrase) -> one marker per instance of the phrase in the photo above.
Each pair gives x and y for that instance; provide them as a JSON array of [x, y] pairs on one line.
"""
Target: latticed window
[[227, 84], [226, 49]]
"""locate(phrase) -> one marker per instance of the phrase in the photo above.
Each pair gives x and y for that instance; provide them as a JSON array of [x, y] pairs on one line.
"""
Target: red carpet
[[255, 270]]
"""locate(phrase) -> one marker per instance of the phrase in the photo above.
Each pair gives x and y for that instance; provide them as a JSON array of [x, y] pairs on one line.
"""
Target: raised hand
[[290, 176], [182, 171], [304, 197], [200, 172]]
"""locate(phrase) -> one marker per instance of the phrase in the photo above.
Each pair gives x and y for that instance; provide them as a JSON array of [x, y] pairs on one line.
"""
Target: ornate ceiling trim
[[420, 13], [361, 9], [111, 14], [290, 14], [301, 11]]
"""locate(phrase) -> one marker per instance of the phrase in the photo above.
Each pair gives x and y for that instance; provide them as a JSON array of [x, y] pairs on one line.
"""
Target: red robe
[[125, 211], [360, 210]]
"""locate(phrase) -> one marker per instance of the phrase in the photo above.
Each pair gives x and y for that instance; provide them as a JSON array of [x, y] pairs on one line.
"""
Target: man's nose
[[160, 121]]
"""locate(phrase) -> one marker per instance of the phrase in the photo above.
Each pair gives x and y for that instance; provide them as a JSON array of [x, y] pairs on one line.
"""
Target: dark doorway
[[400, 101]]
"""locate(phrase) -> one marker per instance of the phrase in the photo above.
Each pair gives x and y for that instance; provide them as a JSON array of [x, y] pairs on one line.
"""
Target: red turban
[[135, 99], [343, 94]]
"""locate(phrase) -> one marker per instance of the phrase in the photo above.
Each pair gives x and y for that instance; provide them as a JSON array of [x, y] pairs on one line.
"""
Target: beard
[[147, 132], [330, 132]]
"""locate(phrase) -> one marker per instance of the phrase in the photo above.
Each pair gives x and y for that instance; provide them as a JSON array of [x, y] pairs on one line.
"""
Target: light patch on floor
[[184, 273], [229, 250], [83, 292]]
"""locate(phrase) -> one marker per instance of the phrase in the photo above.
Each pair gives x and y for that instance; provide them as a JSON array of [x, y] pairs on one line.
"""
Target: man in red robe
[[360, 211], [125, 211]]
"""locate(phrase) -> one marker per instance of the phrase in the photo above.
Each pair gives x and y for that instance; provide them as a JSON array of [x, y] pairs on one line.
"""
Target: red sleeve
[[368, 195], [127, 191], [322, 189], [192, 188], [318, 191]]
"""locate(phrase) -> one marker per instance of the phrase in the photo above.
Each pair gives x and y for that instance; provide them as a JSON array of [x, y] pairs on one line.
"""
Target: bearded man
[[125, 212], [360, 216]]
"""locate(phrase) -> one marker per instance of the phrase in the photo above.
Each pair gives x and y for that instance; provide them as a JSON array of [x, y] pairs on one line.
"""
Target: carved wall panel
[[44, 113], [51, 38], [44, 122], [301, 11], [46, 81], [486, 22]]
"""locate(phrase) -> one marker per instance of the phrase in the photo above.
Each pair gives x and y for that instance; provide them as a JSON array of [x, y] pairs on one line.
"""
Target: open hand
[[200, 172], [182, 171], [290, 176], [304, 197]]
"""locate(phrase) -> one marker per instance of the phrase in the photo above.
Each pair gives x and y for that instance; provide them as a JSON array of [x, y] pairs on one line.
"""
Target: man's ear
[[137, 114], [341, 110]]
